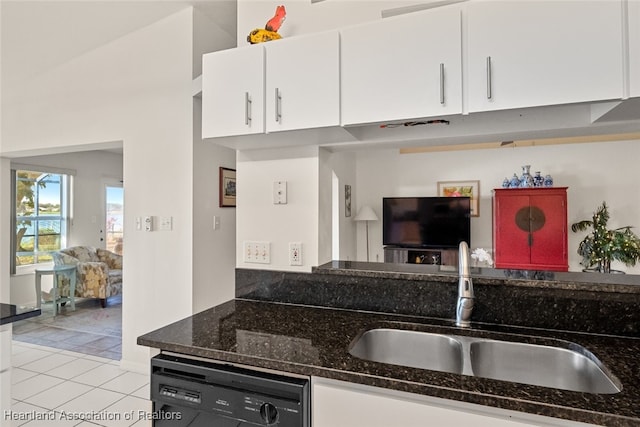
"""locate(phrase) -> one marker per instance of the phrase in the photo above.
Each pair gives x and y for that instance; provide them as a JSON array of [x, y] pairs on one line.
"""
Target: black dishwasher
[[195, 393]]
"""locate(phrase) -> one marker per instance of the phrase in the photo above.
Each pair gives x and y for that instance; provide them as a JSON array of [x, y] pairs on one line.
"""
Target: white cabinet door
[[634, 48], [302, 82], [340, 404], [403, 67], [533, 52], [233, 92]]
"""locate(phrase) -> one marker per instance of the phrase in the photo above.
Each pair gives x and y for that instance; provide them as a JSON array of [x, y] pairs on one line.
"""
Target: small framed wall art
[[462, 189], [227, 189], [347, 200]]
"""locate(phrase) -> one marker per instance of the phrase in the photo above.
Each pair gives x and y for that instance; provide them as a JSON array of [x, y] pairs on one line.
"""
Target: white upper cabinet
[[534, 53], [233, 92], [403, 67], [634, 48], [302, 82]]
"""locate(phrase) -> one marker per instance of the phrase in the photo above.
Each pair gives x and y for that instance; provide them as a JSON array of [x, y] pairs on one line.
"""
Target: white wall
[[344, 166], [594, 172], [214, 251], [259, 219], [305, 17], [136, 89]]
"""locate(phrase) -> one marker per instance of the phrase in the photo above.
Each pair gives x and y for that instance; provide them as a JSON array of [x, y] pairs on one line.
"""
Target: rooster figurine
[[270, 31]]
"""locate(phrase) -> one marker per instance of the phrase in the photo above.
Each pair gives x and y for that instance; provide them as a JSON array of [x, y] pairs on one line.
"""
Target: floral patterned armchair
[[99, 272]]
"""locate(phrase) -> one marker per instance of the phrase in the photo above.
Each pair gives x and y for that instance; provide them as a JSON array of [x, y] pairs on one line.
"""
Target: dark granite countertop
[[573, 280], [314, 341], [10, 313]]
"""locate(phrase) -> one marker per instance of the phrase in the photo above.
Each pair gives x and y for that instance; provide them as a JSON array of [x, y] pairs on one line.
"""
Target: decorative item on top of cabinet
[[604, 245], [530, 228], [270, 31], [526, 180]]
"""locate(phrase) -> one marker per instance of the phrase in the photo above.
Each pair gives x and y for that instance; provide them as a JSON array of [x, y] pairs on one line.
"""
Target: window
[[40, 215]]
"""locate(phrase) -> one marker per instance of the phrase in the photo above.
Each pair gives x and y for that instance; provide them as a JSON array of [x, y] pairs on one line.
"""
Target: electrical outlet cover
[[295, 253]]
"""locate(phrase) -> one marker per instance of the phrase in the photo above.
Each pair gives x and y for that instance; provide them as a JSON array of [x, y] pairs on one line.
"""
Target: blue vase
[[526, 180], [515, 181], [548, 181], [505, 183], [538, 180]]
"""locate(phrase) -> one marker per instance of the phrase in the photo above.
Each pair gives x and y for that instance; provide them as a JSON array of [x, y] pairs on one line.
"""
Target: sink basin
[[556, 367], [567, 366], [423, 350]]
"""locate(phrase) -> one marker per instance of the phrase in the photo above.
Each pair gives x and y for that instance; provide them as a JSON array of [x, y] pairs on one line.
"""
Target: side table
[[57, 271]]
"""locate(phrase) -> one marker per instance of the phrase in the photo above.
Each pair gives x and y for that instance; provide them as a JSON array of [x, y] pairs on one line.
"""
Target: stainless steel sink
[[556, 367], [567, 366], [422, 350]]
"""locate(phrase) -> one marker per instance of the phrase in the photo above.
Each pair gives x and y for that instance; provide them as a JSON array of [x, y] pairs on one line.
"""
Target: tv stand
[[433, 256]]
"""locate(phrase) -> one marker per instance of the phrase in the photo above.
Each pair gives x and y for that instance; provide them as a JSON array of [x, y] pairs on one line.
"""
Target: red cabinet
[[530, 228]]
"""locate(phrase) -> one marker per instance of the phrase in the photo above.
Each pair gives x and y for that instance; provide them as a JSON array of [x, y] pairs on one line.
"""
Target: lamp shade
[[366, 214]]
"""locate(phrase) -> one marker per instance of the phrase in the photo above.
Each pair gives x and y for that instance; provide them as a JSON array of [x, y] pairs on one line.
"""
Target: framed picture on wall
[[227, 188], [347, 200], [462, 189]]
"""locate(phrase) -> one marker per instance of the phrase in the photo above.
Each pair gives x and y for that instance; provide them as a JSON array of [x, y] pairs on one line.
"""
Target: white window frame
[[65, 207]]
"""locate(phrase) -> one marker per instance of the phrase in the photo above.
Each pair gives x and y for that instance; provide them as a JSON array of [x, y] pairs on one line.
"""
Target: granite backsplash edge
[[568, 306]]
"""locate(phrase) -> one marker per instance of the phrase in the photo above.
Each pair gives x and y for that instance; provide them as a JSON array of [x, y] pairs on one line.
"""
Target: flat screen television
[[426, 222]]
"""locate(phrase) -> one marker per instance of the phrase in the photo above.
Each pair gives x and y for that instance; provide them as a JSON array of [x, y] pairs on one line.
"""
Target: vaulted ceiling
[[40, 35]]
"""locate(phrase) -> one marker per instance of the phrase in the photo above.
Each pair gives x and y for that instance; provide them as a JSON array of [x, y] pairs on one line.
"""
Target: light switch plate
[[256, 252], [148, 223], [166, 223], [280, 193]]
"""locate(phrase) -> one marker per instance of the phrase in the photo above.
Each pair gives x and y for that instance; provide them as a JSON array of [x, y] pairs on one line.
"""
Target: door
[[403, 67], [512, 231], [535, 53], [548, 222], [233, 92], [302, 82], [114, 215]]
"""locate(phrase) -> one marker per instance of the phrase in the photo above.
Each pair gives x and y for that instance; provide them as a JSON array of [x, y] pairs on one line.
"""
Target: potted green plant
[[603, 245]]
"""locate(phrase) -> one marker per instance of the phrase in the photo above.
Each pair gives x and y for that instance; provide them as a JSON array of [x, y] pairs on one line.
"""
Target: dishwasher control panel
[[212, 391], [180, 394]]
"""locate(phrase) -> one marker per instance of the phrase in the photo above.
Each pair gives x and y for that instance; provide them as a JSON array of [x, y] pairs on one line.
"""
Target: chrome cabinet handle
[[247, 109], [442, 83], [489, 95], [278, 106]]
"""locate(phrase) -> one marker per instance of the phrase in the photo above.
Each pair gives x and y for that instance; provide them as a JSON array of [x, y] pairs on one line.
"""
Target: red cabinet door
[[530, 228], [549, 245], [511, 238]]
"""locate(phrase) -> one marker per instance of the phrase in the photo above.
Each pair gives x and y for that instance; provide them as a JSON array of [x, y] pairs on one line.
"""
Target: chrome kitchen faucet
[[465, 288]]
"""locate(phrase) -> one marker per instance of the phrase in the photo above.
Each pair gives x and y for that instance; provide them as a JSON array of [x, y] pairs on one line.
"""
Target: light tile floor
[[55, 387]]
